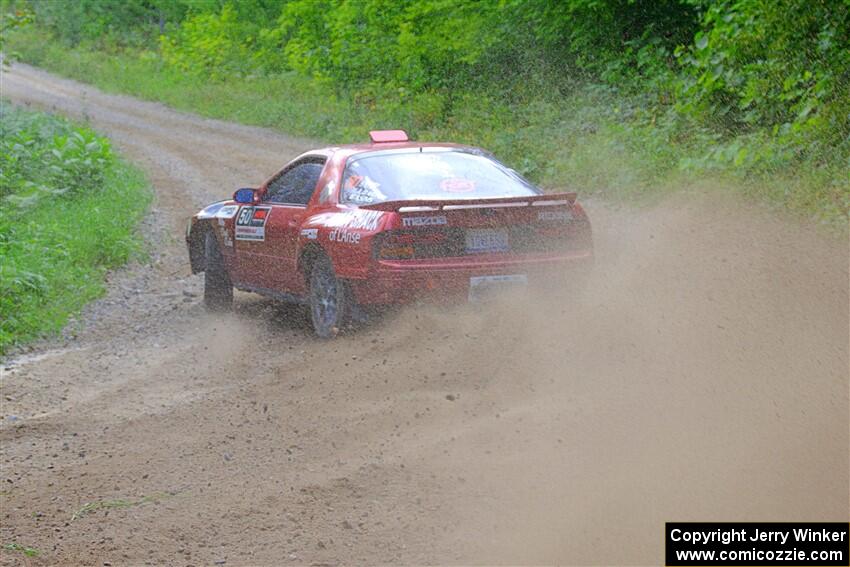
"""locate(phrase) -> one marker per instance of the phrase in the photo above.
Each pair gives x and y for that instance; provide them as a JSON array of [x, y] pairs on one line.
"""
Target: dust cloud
[[701, 374]]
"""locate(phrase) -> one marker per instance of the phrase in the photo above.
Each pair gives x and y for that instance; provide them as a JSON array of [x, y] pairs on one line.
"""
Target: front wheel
[[218, 290], [329, 301]]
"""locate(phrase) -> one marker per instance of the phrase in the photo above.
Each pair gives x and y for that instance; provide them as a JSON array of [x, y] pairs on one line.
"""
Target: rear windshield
[[419, 175]]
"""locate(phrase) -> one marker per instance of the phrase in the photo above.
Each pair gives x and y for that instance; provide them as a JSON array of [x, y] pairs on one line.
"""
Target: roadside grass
[[91, 507], [28, 551], [69, 208], [591, 139]]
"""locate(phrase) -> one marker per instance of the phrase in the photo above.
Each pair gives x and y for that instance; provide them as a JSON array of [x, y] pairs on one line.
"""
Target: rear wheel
[[329, 300], [218, 290]]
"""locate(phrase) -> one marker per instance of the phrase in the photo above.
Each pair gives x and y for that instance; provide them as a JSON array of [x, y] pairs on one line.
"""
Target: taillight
[[388, 251], [394, 245], [408, 244], [430, 238]]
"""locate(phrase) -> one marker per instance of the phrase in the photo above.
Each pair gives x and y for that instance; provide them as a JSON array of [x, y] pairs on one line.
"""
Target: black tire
[[330, 304], [218, 290]]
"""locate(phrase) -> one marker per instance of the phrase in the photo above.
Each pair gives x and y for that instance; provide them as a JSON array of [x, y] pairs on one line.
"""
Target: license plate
[[486, 240], [484, 287]]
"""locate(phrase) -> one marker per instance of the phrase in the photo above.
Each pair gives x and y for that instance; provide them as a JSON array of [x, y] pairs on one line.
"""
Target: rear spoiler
[[419, 205]]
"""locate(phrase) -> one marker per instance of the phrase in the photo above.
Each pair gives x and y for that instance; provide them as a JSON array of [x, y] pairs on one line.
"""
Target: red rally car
[[346, 228]]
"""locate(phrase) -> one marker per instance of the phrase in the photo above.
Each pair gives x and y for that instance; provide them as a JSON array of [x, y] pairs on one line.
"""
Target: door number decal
[[251, 223]]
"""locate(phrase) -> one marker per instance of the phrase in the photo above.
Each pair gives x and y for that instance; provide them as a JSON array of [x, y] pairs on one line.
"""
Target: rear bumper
[[448, 279]]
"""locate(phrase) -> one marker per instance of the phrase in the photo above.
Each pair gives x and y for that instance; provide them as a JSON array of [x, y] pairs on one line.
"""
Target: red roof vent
[[387, 136]]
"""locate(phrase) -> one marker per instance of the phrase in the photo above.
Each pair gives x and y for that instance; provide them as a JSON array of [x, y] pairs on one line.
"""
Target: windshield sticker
[[251, 223], [353, 181], [360, 189], [457, 185], [424, 221]]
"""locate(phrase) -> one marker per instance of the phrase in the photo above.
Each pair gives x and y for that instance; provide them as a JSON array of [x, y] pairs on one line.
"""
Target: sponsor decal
[[310, 233], [424, 221], [559, 216], [225, 237], [344, 236], [356, 219], [251, 223], [365, 220], [227, 212]]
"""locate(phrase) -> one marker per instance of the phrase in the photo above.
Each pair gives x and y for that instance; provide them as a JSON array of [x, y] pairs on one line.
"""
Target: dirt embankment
[[703, 375]]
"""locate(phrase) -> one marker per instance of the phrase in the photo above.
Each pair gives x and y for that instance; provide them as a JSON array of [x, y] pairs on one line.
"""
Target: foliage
[[105, 23], [756, 62], [39, 161], [10, 20], [609, 39], [755, 90], [214, 44], [68, 208]]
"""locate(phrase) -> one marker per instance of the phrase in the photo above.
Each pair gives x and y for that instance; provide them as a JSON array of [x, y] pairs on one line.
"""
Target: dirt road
[[703, 375]]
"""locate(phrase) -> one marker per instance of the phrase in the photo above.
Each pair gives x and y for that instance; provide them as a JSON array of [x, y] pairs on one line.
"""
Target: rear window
[[421, 175]]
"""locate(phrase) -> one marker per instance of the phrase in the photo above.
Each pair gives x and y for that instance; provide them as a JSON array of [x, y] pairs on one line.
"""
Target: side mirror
[[245, 195]]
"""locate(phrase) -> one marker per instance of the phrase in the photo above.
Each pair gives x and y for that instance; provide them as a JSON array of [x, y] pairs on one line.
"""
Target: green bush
[[68, 211], [750, 90], [215, 45]]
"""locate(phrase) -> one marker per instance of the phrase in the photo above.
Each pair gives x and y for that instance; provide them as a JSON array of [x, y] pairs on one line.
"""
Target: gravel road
[[702, 375]]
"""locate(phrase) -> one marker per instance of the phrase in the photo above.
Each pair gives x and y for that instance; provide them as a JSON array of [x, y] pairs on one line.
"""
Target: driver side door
[[270, 262]]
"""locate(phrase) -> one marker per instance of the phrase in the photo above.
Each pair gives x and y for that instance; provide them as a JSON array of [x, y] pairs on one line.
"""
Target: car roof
[[349, 150]]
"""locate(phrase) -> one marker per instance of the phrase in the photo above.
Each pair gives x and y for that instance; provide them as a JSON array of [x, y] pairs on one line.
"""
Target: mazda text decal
[[424, 221]]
